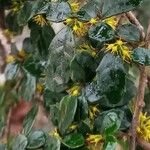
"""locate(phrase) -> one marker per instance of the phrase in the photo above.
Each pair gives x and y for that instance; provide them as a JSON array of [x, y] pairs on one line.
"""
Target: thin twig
[[135, 21], [140, 96]]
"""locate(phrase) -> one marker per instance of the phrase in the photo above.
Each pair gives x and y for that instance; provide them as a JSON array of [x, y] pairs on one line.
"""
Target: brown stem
[[139, 105], [140, 96], [135, 21]]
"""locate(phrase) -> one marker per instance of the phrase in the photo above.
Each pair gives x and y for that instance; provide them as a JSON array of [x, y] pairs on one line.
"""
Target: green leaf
[[74, 140], [67, 110], [114, 7], [111, 80], [82, 67], [57, 11], [61, 53], [109, 122], [88, 11], [141, 56], [41, 38], [19, 143], [11, 71], [91, 92], [129, 32], [12, 24], [29, 120], [51, 98], [34, 66], [27, 45], [100, 34], [27, 87], [36, 139], [110, 146], [52, 143], [54, 109], [25, 14]]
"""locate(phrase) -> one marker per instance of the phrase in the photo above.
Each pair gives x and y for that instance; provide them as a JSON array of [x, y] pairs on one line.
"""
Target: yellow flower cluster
[[73, 127], [20, 56], [87, 48], [75, 6], [80, 28], [16, 6], [55, 134], [94, 139], [143, 129], [39, 88], [93, 111], [120, 47], [40, 20], [10, 59], [75, 90], [112, 21]]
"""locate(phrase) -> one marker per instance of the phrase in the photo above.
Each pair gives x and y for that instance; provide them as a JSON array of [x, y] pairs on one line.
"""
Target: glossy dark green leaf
[[127, 119], [114, 7], [34, 66], [111, 80], [51, 98], [29, 120], [110, 142], [41, 38], [12, 24], [89, 10], [58, 11], [74, 140], [11, 71], [54, 109], [52, 143], [129, 32], [91, 92], [141, 56], [109, 122], [36, 139], [67, 110], [40, 7], [25, 14], [27, 45], [61, 53], [27, 87], [82, 67], [100, 34], [19, 143]]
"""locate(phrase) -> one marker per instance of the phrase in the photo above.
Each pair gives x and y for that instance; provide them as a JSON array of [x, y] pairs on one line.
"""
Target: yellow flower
[[79, 28], [93, 21], [9, 34], [55, 134], [69, 21], [40, 20], [93, 111], [119, 47], [87, 48], [75, 90], [10, 59], [94, 139], [143, 129], [112, 21], [16, 6], [39, 88], [73, 127], [22, 53], [74, 6]]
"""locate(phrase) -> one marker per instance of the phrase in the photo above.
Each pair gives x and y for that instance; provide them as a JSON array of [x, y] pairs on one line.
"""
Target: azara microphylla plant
[[85, 74]]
